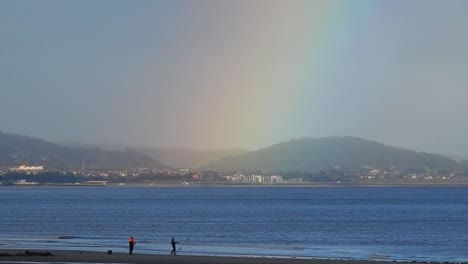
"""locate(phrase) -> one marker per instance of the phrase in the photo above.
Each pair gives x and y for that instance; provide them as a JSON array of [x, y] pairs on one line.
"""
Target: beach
[[68, 256]]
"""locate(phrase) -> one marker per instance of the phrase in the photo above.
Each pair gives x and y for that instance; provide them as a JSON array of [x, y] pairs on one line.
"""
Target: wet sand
[[63, 256]]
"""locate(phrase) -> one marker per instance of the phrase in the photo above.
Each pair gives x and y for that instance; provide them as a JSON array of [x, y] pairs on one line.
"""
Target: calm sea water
[[424, 224]]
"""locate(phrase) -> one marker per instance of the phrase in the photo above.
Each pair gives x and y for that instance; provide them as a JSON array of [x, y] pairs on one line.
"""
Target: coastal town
[[25, 175]]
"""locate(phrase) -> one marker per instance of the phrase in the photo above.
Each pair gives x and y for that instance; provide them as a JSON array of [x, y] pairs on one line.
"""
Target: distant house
[[29, 168]]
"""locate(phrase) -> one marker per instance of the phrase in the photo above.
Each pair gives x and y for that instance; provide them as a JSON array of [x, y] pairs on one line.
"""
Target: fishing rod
[[188, 243]]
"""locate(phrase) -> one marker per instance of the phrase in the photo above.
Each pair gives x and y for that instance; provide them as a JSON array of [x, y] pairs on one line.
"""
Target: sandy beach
[[62, 256]]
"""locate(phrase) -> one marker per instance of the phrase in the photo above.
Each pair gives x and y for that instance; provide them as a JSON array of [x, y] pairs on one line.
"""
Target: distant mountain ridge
[[305, 154], [18, 150], [186, 157], [312, 154], [170, 157]]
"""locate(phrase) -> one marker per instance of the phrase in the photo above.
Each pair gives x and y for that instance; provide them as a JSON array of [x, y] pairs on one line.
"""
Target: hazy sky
[[242, 74]]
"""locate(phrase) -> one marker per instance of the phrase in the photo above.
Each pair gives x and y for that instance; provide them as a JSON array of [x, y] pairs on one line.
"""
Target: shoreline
[[214, 185], [75, 256]]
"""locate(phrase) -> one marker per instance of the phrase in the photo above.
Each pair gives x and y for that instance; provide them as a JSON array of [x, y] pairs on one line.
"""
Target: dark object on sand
[[109, 252], [27, 253]]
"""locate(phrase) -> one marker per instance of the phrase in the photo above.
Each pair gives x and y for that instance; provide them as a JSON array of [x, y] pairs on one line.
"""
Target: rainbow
[[265, 65]]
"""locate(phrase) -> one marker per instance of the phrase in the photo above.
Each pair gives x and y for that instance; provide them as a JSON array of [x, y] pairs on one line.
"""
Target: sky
[[236, 74]]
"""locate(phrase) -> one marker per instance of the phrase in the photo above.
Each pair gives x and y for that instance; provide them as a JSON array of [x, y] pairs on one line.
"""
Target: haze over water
[[426, 224]]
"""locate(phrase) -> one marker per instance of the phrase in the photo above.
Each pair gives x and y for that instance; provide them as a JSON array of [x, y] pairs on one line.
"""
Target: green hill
[[18, 150], [312, 154]]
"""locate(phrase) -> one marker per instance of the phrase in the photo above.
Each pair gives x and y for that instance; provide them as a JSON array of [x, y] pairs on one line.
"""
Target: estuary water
[[369, 223]]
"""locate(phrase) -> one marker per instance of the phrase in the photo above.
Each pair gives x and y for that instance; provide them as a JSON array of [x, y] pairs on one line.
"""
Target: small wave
[[77, 237], [298, 248], [378, 257], [240, 246], [68, 237]]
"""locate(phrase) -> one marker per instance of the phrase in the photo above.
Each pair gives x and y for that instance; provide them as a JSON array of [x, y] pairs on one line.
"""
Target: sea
[[427, 224]]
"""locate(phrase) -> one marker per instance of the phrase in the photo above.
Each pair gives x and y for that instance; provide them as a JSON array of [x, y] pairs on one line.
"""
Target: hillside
[[311, 154], [170, 157], [187, 158], [18, 150]]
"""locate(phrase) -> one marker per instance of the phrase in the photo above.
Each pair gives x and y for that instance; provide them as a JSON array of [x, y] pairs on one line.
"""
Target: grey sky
[[241, 74]]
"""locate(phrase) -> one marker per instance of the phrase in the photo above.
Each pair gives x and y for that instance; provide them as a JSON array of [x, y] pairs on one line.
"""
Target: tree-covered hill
[[311, 154], [18, 150]]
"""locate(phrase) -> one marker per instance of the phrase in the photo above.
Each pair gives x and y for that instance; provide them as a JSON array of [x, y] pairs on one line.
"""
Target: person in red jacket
[[131, 243]]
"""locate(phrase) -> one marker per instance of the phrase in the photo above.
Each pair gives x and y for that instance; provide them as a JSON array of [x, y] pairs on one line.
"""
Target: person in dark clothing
[[173, 243], [131, 243]]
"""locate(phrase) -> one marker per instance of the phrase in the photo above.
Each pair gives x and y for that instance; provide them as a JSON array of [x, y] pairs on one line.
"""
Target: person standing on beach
[[173, 243], [131, 243]]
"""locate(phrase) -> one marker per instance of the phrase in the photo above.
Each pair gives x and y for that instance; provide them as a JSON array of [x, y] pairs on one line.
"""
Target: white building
[[29, 168]]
